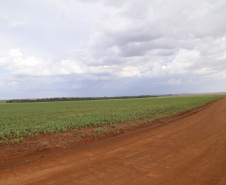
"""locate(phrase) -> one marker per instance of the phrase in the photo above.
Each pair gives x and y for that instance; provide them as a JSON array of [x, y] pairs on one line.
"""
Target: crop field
[[2, 101], [28, 119]]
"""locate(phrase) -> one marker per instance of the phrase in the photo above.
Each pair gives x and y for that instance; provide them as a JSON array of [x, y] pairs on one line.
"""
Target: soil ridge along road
[[191, 150]]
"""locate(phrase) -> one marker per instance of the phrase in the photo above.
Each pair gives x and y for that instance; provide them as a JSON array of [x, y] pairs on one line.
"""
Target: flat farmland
[[189, 150], [18, 120]]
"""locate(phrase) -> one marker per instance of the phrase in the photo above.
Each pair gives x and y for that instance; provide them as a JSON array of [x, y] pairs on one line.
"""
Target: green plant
[[29, 119]]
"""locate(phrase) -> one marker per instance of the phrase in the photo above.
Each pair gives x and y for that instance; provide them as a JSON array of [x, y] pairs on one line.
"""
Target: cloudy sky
[[76, 48]]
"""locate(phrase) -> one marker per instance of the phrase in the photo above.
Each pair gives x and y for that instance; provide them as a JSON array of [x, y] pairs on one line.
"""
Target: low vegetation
[[18, 120], [74, 99], [2, 101]]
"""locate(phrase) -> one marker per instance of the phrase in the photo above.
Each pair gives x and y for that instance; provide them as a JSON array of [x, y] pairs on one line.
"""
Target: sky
[[80, 48]]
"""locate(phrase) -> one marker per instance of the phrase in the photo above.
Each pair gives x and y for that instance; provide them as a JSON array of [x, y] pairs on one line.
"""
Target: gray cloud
[[90, 45]]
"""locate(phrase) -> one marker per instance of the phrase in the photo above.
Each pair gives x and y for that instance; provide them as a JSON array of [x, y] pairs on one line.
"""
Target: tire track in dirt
[[191, 150]]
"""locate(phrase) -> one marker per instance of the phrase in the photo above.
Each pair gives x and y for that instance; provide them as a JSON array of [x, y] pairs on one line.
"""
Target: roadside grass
[[18, 120]]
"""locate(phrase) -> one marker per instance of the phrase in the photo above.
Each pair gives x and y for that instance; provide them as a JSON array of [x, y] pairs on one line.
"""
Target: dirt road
[[187, 151]]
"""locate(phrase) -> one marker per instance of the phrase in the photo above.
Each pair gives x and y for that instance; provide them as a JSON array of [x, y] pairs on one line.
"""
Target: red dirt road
[[188, 151]]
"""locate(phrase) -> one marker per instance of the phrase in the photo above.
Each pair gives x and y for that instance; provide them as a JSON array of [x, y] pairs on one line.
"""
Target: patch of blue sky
[[4, 71]]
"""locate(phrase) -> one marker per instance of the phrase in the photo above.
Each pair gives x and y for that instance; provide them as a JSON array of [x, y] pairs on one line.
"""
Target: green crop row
[[28, 119]]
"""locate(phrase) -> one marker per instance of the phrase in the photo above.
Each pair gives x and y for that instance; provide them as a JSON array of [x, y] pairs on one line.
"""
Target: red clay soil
[[189, 150]]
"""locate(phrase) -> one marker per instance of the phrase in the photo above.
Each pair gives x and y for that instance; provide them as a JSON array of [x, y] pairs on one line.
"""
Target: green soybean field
[[27, 119]]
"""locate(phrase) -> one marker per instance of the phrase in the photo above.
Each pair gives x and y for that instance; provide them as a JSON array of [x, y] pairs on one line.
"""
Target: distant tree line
[[75, 99]]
